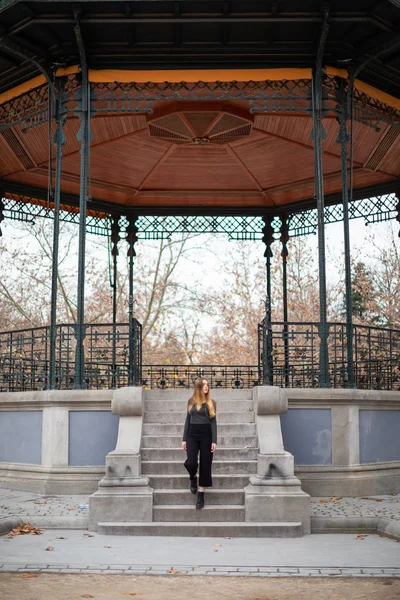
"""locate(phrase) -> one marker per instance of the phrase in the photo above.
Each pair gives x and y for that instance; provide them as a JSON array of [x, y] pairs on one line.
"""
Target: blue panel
[[379, 435], [307, 434], [92, 435], [21, 437]]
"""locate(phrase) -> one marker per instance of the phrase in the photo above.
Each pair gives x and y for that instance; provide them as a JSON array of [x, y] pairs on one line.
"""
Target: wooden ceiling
[[185, 156]]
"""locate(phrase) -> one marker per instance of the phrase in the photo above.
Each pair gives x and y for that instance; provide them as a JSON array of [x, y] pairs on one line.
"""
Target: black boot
[[193, 485], [200, 500]]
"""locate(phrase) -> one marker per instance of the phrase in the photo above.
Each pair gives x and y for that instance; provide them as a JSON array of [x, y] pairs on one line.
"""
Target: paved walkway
[[72, 510], [73, 550]]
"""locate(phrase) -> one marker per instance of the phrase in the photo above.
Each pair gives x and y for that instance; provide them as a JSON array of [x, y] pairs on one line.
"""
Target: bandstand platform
[[252, 119]]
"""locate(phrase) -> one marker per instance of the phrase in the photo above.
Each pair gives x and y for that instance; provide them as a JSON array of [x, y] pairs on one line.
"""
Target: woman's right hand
[[184, 446]]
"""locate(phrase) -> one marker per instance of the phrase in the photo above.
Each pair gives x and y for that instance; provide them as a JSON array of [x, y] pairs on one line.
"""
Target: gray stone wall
[[379, 435], [21, 437], [307, 434], [92, 435]]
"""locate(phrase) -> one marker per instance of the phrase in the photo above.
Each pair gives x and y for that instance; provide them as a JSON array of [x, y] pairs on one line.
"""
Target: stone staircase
[[174, 511]]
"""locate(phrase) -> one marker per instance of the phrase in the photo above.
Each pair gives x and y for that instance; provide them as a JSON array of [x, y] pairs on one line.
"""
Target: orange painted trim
[[19, 90], [370, 90], [192, 76]]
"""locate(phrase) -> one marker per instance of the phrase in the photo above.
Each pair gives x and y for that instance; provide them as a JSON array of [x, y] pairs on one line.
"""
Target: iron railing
[[294, 359], [25, 357], [182, 376]]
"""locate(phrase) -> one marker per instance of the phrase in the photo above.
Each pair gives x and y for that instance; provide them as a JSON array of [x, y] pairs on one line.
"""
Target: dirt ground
[[111, 587]]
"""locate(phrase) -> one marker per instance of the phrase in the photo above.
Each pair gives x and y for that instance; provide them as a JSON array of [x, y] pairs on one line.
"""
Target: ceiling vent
[[17, 149], [383, 148], [208, 127]]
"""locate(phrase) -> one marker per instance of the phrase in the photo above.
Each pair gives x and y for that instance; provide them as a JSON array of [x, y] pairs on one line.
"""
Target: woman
[[200, 434]]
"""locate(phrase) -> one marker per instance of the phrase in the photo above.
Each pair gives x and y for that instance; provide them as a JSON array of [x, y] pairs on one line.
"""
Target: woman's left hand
[[213, 447]]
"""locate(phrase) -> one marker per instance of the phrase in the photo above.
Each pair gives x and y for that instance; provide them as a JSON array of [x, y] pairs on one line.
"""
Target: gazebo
[[256, 119]]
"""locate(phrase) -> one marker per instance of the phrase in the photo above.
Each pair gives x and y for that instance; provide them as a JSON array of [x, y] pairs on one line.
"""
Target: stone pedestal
[[124, 494], [274, 494]]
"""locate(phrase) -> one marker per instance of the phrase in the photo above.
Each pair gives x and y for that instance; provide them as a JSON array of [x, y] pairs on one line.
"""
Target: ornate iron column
[[284, 254], [59, 140], [267, 366], [115, 238], [343, 139], [84, 137], [318, 136], [398, 209], [1, 209], [131, 236]]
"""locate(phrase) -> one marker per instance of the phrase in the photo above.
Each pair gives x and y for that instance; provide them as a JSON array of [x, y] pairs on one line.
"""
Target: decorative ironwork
[[373, 210], [366, 110], [25, 357], [1, 213], [272, 96], [31, 107], [295, 355], [237, 228], [182, 376], [27, 209], [268, 239]]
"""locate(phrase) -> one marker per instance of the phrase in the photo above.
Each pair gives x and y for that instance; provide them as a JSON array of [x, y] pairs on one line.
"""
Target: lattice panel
[[237, 228], [17, 209], [372, 210]]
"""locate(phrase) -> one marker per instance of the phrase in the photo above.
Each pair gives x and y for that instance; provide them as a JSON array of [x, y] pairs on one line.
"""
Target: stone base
[[277, 502], [275, 465], [123, 495], [127, 503]]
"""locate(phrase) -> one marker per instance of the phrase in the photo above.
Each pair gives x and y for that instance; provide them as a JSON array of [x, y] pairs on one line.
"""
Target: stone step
[[175, 441], [213, 497], [183, 395], [181, 482], [203, 529], [181, 405], [163, 454], [219, 467], [178, 417], [189, 513], [177, 429]]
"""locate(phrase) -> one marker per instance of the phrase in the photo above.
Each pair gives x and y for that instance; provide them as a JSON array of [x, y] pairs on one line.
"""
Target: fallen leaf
[[173, 571], [217, 544], [131, 593], [88, 535], [49, 548], [61, 537], [28, 575], [361, 537], [215, 550], [87, 596], [334, 499], [24, 529], [107, 546], [40, 502]]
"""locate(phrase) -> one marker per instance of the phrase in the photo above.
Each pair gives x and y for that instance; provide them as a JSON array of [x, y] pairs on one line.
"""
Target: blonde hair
[[199, 397]]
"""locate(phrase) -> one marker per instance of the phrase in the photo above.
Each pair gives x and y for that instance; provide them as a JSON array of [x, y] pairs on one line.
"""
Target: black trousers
[[199, 439]]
